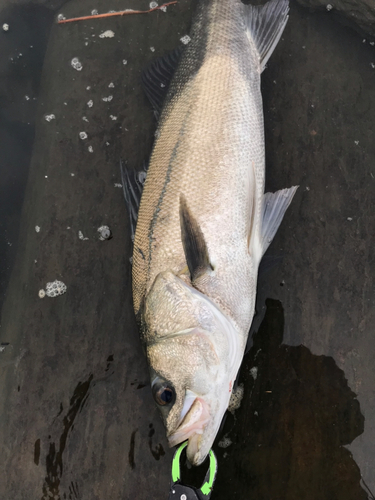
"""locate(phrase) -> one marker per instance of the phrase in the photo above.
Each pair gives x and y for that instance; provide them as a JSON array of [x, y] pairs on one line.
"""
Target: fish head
[[194, 354]]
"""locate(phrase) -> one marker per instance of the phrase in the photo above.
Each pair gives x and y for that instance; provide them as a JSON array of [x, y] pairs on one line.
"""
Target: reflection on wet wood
[[298, 412]]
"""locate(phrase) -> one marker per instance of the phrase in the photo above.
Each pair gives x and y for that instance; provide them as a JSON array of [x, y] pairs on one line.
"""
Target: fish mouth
[[192, 426]]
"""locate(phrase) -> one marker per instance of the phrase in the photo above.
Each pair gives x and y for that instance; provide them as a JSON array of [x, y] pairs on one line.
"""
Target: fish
[[202, 220]]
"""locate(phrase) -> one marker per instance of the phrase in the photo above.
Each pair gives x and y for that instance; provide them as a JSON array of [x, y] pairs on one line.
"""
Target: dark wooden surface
[[77, 419]]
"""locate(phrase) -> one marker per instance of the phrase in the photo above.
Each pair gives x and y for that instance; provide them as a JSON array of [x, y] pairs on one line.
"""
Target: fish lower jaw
[[192, 425]]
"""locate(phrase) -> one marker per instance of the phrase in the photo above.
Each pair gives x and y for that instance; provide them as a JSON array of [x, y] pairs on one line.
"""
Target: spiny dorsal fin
[[265, 25], [193, 242], [157, 77], [132, 185]]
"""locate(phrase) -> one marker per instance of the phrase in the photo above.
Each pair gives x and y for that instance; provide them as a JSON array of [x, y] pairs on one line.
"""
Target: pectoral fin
[[274, 208], [265, 25], [193, 242]]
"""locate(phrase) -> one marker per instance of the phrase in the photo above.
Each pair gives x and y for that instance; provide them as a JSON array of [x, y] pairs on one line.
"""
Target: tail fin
[[265, 25]]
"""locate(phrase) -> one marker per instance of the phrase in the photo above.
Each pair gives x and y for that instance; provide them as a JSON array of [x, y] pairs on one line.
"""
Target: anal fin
[[274, 208]]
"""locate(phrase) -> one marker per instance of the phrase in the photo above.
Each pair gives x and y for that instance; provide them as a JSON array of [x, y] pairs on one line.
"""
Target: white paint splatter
[[153, 5], [76, 64], [118, 185], [27, 98], [61, 17], [108, 99], [225, 442], [185, 39], [81, 237], [113, 117], [90, 149], [55, 288], [152, 49], [236, 398], [163, 8], [104, 233], [83, 135], [94, 12], [41, 294], [111, 85], [5, 27], [349, 218], [329, 7], [84, 119], [254, 372], [90, 103], [48, 118], [124, 62], [37, 229], [107, 34]]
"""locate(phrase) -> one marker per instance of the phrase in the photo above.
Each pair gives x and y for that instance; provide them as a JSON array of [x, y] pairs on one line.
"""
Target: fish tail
[[265, 25]]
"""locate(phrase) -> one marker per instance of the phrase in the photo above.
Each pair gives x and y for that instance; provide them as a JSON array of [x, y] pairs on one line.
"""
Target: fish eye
[[163, 393]]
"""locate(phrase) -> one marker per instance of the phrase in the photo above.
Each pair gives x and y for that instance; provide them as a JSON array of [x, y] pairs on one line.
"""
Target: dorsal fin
[[157, 77], [132, 185], [193, 242], [265, 25]]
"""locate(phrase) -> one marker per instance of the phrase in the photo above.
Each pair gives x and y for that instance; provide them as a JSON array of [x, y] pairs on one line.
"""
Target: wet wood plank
[[78, 419]]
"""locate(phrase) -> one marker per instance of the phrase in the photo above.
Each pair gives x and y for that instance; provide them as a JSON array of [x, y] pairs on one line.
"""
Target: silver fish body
[[208, 167]]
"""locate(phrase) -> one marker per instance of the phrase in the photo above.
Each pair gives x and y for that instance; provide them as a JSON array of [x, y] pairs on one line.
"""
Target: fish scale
[[204, 221], [210, 138]]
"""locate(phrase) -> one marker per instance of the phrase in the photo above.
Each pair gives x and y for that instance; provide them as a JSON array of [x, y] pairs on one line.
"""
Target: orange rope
[[110, 14]]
